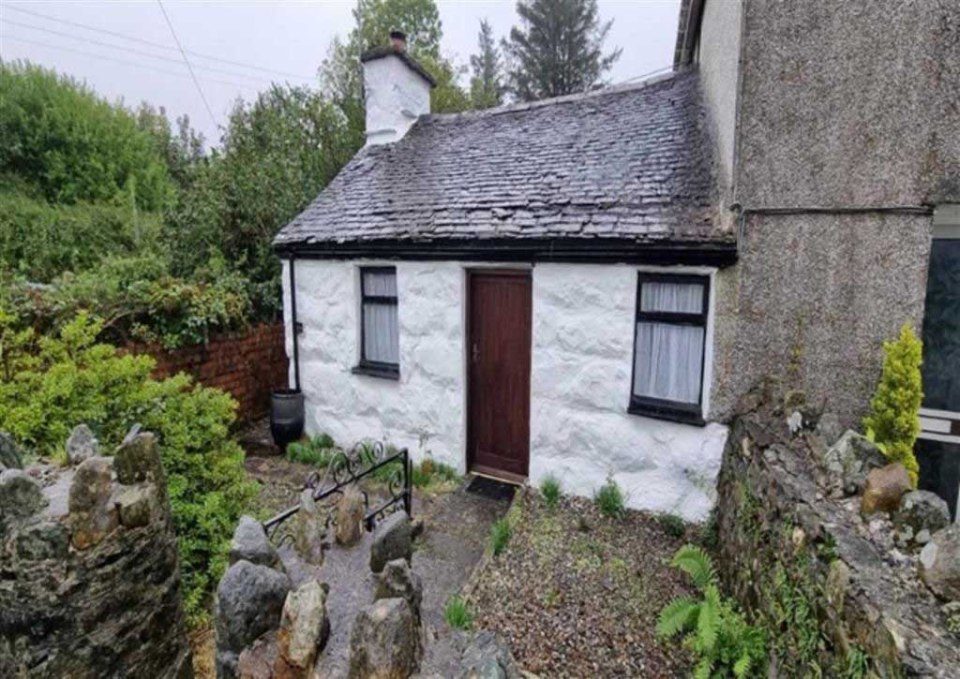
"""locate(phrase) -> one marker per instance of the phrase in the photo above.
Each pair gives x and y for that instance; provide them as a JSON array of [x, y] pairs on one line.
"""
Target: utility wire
[[151, 43], [193, 75], [125, 62], [131, 50]]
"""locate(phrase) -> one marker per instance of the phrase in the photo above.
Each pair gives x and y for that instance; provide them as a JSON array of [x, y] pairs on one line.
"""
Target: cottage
[[584, 286]]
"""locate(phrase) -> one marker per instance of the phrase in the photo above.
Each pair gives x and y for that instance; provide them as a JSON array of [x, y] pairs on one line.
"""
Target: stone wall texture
[[806, 567], [247, 365], [89, 579]]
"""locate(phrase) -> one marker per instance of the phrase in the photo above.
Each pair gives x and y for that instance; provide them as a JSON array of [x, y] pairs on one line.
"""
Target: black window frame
[[663, 409], [372, 368]]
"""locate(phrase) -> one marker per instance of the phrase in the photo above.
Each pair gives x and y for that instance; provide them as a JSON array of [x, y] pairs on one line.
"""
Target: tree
[[486, 86], [557, 49]]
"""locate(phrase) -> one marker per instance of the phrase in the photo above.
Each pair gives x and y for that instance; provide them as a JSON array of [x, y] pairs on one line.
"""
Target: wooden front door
[[498, 400]]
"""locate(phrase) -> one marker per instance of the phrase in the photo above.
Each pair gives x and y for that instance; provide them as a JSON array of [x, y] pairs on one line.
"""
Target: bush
[[550, 490], [457, 614], [500, 535], [672, 525], [894, 419], [49, 384], [609, 499], [715, 630]]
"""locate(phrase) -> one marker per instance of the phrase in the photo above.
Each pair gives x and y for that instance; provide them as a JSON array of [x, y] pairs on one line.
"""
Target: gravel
[[577, 594]]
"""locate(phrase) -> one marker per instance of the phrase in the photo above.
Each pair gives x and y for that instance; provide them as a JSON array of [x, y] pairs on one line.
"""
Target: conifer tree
[[486, 86]]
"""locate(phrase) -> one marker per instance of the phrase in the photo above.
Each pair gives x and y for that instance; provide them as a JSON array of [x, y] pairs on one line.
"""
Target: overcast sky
[[133, 55]]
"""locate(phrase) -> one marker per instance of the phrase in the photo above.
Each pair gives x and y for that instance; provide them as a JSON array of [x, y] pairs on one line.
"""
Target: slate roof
[[627, 164]]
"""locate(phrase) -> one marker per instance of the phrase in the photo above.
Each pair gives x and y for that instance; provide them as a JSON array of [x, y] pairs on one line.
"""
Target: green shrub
[[672, 525], [894, 419], [49, 384], [550, 490], [715, 630], [318, 450], [500, 534], [609, 499], [457, 614]]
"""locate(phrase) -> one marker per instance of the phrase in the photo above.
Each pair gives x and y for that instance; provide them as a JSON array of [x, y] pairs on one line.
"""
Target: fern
[[697, 564], [678, 616]]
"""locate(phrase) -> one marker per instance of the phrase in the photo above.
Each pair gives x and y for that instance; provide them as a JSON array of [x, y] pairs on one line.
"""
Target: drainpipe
[[295, 325]]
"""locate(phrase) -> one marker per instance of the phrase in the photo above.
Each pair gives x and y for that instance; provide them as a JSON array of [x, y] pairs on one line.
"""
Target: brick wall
[[248, 365]]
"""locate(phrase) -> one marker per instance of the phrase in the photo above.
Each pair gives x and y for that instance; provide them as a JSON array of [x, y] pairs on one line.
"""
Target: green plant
[[317, 450], [894, 419], [550, 490], [858, 663], [430, 472], [609, 499], [49, 384], [725, 644], [672, 525], [500, 534], [457, 614]]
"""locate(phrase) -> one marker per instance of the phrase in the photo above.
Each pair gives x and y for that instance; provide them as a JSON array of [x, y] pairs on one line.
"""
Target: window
[[668, 346], [379, 332]]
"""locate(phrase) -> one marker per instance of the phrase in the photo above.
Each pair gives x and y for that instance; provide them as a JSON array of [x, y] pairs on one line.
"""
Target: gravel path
[[577, 594]]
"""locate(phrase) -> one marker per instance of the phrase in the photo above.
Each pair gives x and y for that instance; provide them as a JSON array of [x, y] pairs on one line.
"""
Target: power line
[[130, 50], [132, 64], [193, 75], [151, 43]]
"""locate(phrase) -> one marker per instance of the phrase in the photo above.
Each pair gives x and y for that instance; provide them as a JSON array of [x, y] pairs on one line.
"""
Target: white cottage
[[519, 292]]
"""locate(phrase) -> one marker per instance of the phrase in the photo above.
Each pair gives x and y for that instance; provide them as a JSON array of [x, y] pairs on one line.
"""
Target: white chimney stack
[[397, 91]]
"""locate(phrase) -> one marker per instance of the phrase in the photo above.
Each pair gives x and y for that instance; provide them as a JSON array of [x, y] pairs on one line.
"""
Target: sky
[[133, 55]]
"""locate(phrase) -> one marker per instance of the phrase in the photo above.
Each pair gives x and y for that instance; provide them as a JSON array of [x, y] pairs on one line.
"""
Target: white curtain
[[380, 283], [684, 298], [381, 337]]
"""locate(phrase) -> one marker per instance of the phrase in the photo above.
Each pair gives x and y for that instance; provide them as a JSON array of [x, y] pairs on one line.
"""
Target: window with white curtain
[[379, 331], [669, 340]]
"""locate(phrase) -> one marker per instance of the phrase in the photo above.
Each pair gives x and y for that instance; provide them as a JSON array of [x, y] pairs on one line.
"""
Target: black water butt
[[286, 416]]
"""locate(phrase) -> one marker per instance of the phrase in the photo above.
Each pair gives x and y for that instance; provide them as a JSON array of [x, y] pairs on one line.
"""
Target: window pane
[[678, 297], [669, 361], [381, 337], [941, 328], [380, 283]]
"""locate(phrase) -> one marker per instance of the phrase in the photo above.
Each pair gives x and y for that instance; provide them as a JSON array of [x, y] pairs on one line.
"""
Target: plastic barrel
[[286, 416]]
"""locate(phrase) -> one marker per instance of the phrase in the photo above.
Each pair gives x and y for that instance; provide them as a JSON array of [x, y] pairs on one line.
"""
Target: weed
[[858, 663], [318, 450], [500, 536], [550, 489], [457, 614], [609, 499], [430, 472], [672, 525]]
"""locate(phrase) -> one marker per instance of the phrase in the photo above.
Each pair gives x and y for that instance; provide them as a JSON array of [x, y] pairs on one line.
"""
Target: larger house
[[584, 286]]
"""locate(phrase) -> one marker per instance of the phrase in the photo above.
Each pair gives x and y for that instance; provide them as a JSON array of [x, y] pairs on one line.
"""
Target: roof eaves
[[411, 63]]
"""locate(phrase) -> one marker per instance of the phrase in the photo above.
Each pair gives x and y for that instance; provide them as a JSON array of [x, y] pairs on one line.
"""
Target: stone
[[44, 540], [399, 581], [848, 461], [137, 506], [20, 495], [138, 460], [350, 511], [392, 539], [384, 641], [921, 510], [82, 444], [250, 543], [884, 489], [488, 656], [257, 661], [923, 537], [940, 563], [829, 428], [10, 456], [795, 422], [93, 514], [304, 629], [309, 530], [249, 603]]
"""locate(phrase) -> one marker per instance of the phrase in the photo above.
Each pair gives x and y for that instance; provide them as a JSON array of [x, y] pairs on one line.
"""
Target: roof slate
[[631, 163]]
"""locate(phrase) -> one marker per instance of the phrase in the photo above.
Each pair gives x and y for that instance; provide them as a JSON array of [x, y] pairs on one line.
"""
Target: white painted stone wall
[[583, 318], [395, 97]]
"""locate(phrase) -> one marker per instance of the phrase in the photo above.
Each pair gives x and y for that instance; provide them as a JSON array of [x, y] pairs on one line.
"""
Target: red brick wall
[[248, 365]]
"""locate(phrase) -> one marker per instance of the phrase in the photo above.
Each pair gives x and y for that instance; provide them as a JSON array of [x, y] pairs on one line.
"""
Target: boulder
[[384, 641], [399, 581], [82, 444], [250, 543], [921, 510], [884, 489], [43, 540], [350, 511], [940, 563], [20, 495], [137, 460], [309, 530], [10, 457], [93, 514], [137, 506], [392, 539], [304, 629], [829, 428], [848, 461], [487, 656], [257, 661], [249, 602]]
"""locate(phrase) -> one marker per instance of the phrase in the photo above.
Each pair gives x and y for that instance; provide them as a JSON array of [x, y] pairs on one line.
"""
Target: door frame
[[507, 272]]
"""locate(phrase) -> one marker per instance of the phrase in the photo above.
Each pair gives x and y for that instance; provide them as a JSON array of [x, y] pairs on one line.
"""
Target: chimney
[[397, 91]]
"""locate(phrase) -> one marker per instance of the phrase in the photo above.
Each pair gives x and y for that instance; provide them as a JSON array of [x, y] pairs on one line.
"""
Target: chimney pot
[[398, 40]]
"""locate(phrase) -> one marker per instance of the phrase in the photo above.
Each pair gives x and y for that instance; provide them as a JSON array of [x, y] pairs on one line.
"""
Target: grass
[[550, 490], [500, 535], [672, 525], [457, 614], [317, 450], [430, 472], [610, 500]]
